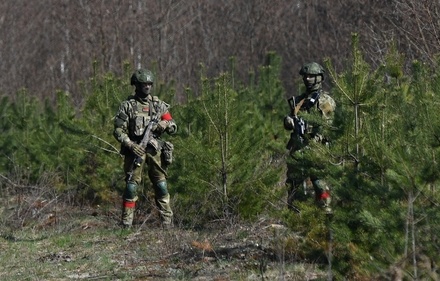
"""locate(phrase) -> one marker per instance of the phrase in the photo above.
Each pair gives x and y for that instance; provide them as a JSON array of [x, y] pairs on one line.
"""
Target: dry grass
[[44, 238]]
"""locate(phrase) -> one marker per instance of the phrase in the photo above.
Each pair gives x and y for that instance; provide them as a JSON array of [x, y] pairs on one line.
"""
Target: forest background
[[227, 68]]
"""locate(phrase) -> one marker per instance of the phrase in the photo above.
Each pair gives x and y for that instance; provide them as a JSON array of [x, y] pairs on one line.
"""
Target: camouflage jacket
[[316, 113], [134, 115]]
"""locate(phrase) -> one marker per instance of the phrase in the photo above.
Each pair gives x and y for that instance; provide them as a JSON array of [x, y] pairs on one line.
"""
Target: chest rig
[[311, 101], [140, 115], [309, 122]]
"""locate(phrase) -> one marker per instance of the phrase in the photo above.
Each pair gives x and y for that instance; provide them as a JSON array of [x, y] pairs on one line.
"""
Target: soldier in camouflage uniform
[[310, 118], [130, 123]]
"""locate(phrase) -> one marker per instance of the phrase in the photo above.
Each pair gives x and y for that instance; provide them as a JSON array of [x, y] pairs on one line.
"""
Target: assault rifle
[[144, 142], [299, 124]]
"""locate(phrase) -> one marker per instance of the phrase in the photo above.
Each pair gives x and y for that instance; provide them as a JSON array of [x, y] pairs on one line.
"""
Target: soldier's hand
[[289, 123], [161, 126], [136, 149]]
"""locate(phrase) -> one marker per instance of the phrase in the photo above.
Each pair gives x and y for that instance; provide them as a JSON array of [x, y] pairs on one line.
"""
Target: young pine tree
[[224, 153]]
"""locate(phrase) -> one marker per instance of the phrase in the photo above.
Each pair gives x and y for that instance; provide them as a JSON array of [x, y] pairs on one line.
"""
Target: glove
[[161, 126], [289, 123], [136, 148]]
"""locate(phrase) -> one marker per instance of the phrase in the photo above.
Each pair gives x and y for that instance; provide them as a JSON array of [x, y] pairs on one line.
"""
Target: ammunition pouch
[[154, 143], [167, 153]]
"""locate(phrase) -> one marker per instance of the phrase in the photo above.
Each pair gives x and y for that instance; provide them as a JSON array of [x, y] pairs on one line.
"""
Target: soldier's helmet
[[312, 68], [142, 76]]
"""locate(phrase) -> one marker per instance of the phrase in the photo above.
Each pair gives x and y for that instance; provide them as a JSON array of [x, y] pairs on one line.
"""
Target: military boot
[[322, 195], [163, 204], [128, 213], [324, 201], [166, 214], [129, 204]]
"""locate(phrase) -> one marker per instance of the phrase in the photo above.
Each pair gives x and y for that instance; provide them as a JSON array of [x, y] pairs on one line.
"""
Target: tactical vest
[[140, 115], [316, 112]]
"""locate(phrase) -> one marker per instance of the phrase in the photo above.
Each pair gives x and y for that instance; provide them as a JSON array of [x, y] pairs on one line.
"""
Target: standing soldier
[[143, 115], [310, 118]]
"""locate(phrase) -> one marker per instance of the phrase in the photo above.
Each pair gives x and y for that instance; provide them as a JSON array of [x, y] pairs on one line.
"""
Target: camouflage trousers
[[157, 173], [304, 178]]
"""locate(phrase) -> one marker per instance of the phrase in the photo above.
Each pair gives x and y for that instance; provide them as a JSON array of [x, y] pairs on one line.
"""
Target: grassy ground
[[43, 240]]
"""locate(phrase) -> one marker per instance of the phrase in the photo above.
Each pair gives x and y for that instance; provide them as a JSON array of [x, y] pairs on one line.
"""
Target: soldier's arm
[[121, 122], [327, 106], [289, 120], [166, 122]]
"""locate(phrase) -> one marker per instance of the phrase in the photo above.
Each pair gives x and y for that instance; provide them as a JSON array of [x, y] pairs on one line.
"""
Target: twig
[[116, 150]]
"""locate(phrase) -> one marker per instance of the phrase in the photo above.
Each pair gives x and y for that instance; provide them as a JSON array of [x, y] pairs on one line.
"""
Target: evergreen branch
[[210, 118], [196, 156], [115, 149], [338, 85], [363, 82], [107, 150]]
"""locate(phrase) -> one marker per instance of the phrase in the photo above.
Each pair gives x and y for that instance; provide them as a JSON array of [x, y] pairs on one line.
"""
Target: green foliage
[[77, 146], [386, 146], [225, 150], [230, 156], [32, 139]]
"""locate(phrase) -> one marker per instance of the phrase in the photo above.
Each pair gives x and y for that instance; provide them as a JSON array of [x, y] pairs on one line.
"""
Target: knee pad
[[130, 191], [161, 189]]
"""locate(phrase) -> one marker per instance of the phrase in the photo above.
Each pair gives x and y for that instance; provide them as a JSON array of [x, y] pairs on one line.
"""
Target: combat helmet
[[312, 68], [142, 76], [313, 75]]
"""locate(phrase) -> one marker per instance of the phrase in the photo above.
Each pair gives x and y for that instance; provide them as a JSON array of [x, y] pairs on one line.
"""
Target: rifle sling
[[144, 141], [298, 106], [151, 109]]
